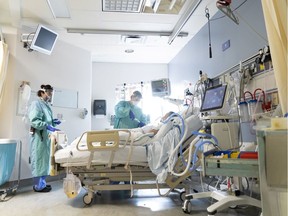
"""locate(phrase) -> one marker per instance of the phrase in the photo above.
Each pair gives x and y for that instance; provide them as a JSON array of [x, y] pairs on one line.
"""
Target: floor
[[109, 203]]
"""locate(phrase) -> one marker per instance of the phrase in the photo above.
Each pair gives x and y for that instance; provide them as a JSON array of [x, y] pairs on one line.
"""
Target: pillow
[[75, 141]]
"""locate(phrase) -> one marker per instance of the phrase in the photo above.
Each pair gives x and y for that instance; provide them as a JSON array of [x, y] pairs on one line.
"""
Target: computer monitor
[[44, 40], [214, 98], [160, 88]]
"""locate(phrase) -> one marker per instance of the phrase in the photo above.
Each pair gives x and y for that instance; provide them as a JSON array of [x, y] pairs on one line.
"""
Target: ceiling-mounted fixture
[[122, 32], [163, 6], [224, 6], [207, 14], [183, 19], [133, 39], [155, 5], [129, 51], [59, 8], [128, 6], [172, 4]]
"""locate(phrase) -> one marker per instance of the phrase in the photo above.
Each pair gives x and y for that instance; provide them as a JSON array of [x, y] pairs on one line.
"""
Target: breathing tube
[[182, 121], [197, 145]]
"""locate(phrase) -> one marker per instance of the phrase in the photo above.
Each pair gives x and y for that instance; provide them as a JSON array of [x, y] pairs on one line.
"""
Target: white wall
[[245, 41], [67, 67], [106, 76]]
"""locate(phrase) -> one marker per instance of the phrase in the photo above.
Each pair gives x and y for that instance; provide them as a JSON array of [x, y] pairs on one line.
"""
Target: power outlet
[[225, 45]]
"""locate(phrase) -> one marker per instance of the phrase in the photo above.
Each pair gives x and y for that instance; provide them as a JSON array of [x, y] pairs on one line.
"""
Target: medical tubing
[[183, 127], [175, 150], [248, 92], [182, 120], [194, 158], [158, 189], [182, 131], [130, 151], [170, 167], [195, 151], [207, 135]]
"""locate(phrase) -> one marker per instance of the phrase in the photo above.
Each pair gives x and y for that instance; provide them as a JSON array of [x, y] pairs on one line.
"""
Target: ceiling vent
[[128, 6], [133, 39]]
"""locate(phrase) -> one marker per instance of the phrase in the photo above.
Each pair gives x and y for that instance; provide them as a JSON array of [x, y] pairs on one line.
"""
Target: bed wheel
[[87, 199], [182, 195], [187, 207]]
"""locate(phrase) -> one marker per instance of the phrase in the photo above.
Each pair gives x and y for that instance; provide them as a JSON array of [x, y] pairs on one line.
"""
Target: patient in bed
[[152, 129]]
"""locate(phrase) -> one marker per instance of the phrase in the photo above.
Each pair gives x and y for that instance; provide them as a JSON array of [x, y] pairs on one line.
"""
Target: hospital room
[[143, 107]]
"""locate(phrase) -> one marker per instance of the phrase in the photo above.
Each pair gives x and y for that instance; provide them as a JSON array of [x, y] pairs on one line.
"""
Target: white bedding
[[71, 155], [158, 149]]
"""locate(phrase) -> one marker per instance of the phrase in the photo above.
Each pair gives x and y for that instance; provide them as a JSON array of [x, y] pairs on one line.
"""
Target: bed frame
[[100, 177]]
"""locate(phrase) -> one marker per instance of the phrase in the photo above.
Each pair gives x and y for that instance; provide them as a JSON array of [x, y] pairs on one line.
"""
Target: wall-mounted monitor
[[160, 88], [214, 98], [44, 40]]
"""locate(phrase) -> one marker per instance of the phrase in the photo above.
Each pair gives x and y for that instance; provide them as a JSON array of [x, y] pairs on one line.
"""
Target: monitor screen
[[44, 40], [160, 87], [214, 98]]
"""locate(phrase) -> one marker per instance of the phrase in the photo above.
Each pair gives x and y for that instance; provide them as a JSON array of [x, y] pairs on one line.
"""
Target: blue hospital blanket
[[7, 159]]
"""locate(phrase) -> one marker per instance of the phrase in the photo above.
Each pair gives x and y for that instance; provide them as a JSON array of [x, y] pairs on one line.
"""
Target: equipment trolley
[[10, 156]]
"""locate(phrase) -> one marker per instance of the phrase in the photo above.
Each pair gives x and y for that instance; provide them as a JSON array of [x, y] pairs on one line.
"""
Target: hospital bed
[[102, 159]]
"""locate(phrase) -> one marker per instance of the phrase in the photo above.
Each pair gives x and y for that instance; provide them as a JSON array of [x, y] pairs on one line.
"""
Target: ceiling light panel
[[128, 6], [59, 8]]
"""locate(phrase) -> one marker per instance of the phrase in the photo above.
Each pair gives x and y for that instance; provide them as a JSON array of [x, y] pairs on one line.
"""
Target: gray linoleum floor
[[110, 203]]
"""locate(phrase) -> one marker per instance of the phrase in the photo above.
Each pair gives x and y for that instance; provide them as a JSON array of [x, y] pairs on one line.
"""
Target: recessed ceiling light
[[129, 51], [59, 8], [122, 5]]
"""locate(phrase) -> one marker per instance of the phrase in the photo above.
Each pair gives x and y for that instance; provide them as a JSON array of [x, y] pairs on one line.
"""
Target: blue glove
[[131, 115], [52, 129], [141, 124], [56, 121]]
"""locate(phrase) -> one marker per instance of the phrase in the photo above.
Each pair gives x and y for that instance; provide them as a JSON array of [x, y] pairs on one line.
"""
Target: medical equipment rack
[[8, 189], [240, 167]]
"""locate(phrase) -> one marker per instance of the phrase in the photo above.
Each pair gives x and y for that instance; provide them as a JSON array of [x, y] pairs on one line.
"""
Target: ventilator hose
[[182, 130], [182, 121], [189, 159], [175, 150], [200, 135]]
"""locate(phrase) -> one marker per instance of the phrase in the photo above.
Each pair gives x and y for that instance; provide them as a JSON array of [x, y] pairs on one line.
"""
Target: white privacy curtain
[[4, 53], [275, 15]]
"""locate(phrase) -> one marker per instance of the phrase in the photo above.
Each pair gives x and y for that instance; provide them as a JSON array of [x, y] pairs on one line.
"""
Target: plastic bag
[[71, 185]]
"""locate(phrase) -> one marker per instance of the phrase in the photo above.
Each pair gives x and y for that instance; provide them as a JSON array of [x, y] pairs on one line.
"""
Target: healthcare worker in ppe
[[42, 123], [128, 114]]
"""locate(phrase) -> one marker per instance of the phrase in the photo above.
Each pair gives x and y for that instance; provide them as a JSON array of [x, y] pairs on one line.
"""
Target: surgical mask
[[135, 103]]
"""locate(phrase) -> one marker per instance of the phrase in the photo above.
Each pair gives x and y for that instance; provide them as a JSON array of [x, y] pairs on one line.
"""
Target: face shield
[[49, 93]]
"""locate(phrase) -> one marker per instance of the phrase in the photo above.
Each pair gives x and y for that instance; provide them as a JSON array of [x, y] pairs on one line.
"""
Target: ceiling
[[140, 32]]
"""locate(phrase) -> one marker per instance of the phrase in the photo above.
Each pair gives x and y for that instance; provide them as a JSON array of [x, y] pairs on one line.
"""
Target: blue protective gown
[[122, 118], [40, 115]]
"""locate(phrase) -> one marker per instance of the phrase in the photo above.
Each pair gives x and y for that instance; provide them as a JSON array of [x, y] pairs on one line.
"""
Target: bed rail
[[107, 140]]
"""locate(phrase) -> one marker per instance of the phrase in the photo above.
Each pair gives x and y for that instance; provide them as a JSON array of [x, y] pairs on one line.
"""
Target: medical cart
[[10, 156]]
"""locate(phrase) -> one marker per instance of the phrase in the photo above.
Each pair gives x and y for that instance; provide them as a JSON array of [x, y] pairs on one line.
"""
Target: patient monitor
[[214, 98], [223, 127]]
